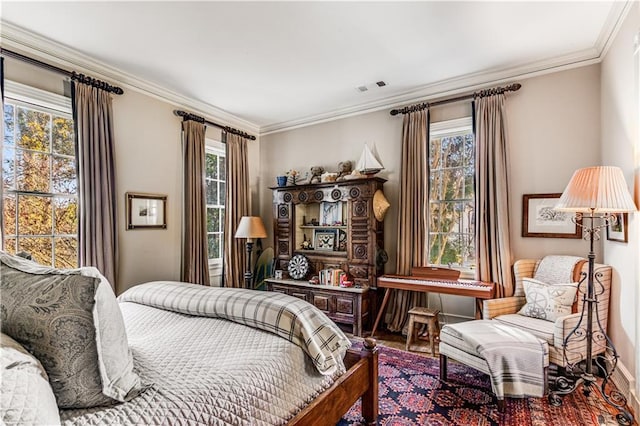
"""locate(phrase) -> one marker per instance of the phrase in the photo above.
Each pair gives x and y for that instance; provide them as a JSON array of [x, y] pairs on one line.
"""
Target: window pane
[[212, 166], [452, 151], [63, 142], [9, 124], [223, 190], [65, 216], [33, 171], [8, 168], [34, 129], [452, 183], [214, 246], [66, 251], [34, 215], [38, 247], [213, 219], [435, 154], [10, 245], [212, 192], [9, 215], [63, 176], [223, 168]]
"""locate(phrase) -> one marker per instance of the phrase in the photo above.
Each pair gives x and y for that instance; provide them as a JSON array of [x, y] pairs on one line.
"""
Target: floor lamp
[[250, 227], [598, 196]]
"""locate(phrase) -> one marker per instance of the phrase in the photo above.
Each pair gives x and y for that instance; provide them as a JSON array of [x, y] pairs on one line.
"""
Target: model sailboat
[[368, 164]]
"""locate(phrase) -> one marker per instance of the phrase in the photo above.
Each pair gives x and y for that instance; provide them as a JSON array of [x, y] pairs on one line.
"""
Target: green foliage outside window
[[39, 185], [452, 200]]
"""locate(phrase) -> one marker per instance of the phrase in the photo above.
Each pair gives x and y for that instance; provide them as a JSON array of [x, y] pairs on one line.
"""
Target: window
[[39, 185], [216, 190], [452, 194]]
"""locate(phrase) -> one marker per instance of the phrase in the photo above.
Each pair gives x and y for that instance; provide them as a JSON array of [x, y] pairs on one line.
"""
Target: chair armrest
[[523, 268], [491, 308]]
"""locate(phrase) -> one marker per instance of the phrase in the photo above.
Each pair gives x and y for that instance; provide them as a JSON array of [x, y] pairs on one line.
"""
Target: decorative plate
[[298, 267]]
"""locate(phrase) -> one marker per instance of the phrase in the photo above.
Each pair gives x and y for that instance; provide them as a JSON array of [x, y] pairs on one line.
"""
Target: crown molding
[[445, 88], [615, 19], [16, 38]]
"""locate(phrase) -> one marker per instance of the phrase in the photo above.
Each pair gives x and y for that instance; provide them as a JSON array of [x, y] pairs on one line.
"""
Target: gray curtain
[[412, 214], [236, 206], [195, 259], [493, 244], [97, 228]]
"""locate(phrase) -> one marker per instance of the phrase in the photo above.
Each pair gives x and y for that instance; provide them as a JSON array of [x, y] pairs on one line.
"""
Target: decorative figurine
[[344, 169], [316, 173]]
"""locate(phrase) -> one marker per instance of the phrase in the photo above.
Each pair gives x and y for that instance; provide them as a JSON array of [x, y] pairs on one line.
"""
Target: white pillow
[[26, 397], [547, 301]]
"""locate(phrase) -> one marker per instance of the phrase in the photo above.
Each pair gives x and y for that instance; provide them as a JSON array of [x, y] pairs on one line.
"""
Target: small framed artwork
[[617, 231], [325, 239], [146, 211], [540, 219], [330, 213]]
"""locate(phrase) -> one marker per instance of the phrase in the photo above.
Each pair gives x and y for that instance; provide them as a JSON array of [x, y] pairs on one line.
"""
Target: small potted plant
[[282, 180]]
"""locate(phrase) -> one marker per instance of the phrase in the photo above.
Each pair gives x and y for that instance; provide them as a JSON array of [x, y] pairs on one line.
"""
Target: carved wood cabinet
[[333, 225]]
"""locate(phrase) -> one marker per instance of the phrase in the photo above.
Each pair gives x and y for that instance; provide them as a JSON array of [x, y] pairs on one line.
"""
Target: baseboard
[[626, 384]]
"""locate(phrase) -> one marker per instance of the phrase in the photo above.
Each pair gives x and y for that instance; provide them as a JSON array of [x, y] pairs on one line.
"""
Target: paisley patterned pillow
[[72, 324], [547, 301]]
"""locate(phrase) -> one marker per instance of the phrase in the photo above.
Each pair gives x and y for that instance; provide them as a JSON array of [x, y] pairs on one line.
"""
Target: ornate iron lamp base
[[567, 384]]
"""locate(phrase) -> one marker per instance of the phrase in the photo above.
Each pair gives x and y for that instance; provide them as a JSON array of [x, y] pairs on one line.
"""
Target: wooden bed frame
[[360, 380]]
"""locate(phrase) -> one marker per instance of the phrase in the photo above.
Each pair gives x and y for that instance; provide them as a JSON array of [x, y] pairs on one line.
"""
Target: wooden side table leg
[[410, 332]]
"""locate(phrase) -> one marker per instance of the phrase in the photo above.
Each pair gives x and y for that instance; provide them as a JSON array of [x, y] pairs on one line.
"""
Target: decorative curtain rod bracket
[[188, 116], [479, 94], [71, 74]]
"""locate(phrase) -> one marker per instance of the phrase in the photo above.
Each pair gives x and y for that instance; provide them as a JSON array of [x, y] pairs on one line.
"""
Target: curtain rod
[[189, 116], [479, 94], [71, 74]]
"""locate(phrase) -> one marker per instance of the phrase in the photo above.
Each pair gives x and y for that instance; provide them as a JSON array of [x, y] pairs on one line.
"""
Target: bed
[[210, 356]]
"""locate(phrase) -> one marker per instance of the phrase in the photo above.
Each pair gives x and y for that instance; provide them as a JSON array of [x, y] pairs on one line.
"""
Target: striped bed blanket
[[516, 358], [288, 317]]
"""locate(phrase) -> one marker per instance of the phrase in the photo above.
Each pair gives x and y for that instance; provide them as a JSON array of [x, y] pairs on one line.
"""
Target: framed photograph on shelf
[[617, 231], [146, 211], [540, 219], [330, 213], [324, 239]]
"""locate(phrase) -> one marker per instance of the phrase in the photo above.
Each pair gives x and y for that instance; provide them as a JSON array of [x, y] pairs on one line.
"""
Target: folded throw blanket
[[516, 358], [555, 269], [288, 317]]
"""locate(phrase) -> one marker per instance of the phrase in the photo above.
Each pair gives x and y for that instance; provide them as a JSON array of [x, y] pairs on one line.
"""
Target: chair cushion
[[540, 328], [547, 301], [71, 322]]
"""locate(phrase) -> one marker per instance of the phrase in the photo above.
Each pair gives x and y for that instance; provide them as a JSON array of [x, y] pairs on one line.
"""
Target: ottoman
[[515, 360]]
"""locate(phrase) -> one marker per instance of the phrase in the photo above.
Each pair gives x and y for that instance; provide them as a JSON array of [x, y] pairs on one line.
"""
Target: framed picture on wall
[[617, 230], [540, 219], [146, 211]]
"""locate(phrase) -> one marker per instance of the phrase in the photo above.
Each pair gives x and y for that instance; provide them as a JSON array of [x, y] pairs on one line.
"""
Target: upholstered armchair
[[506, 310]]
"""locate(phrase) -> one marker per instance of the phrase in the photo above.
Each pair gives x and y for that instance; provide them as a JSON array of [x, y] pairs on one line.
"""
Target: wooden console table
[[343, 305]]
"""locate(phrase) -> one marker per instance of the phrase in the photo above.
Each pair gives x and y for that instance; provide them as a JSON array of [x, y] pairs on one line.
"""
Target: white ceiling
[[274, 65]]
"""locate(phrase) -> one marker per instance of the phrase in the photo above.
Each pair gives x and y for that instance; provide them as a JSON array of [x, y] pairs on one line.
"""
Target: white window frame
[[452, 128], [216, 147], [26, 96]]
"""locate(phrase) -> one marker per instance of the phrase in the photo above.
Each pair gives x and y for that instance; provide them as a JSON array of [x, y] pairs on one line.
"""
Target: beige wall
[[553, 125], [148, 159], [621, 147]]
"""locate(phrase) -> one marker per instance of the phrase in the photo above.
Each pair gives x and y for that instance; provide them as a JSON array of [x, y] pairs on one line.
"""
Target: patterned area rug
[[412, 394]]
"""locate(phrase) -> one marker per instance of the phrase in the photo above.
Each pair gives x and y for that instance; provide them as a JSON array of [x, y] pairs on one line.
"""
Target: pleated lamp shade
[[251, 227], [599, 189]]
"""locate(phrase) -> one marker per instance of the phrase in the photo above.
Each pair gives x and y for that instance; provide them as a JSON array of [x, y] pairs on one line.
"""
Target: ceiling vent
[[381, 83], [362, 88]]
